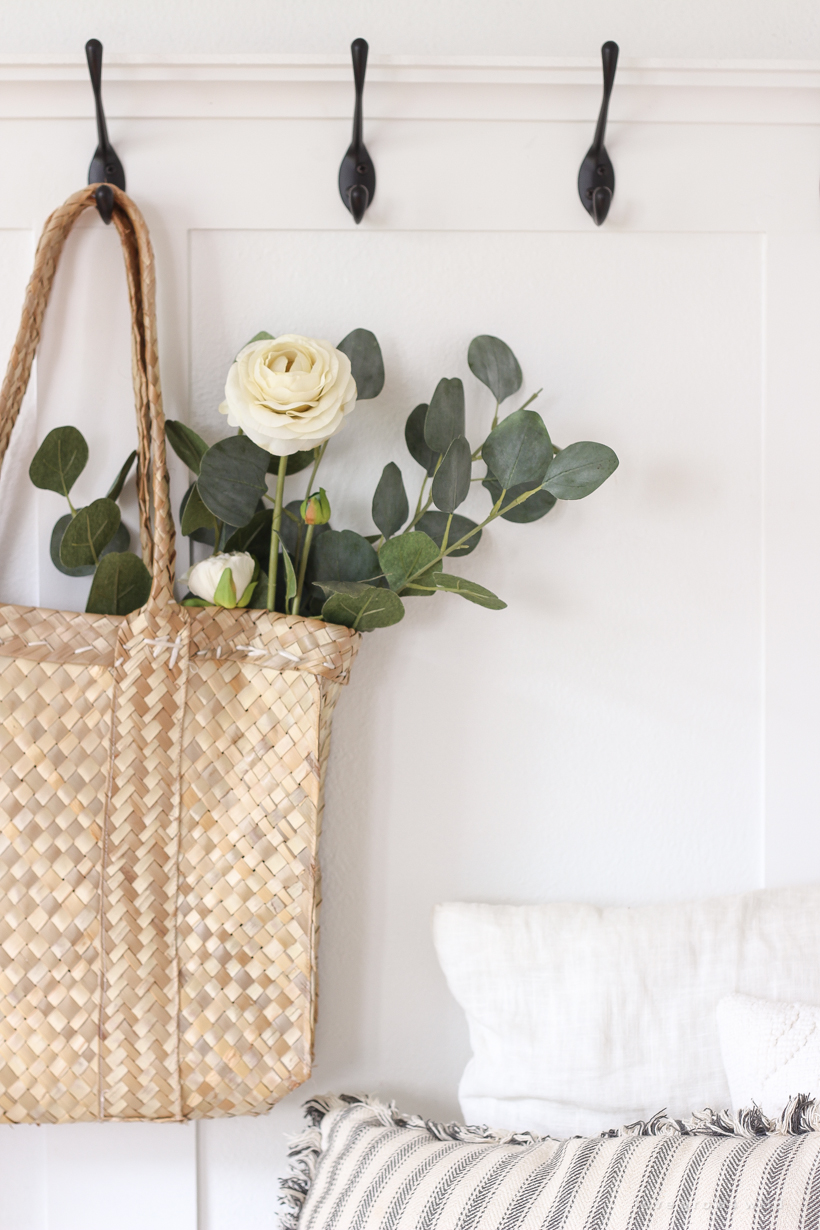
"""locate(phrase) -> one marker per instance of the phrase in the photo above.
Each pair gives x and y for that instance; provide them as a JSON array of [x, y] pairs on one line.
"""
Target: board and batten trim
[[405, 87]]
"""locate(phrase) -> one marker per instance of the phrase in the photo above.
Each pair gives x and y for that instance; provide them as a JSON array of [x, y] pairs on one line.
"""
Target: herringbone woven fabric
[[160, 802]]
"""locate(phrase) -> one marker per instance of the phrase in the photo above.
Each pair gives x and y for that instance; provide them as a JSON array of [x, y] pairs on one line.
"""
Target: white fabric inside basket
[[581, 1017]]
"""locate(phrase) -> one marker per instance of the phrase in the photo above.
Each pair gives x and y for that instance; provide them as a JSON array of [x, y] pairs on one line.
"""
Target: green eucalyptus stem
[[421, 496], [418, 515], [495, 416], [302, 570], [529, 399], [496, 511], [446, 535], [273, 558]]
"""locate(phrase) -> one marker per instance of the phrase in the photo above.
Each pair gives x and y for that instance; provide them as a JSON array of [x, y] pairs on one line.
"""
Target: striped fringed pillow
[[364, 1166]]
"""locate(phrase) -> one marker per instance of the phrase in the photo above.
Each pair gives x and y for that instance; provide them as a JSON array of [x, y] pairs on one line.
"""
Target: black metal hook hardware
[[596, 178], [357, 175], [106, 167]]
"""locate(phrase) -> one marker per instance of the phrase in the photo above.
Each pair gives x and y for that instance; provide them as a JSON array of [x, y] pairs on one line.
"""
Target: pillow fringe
[[800, 1116]]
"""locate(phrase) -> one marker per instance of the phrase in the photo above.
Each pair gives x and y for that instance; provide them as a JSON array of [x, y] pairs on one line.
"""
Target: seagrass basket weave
[[160, 803]]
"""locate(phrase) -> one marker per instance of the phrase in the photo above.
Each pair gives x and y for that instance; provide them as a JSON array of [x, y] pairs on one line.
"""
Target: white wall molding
[[534, 88]]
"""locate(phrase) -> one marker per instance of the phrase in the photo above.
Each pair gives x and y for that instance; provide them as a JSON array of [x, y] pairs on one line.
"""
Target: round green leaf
[[390, 507], [406, 557], [185, 442], [232, 479], [121, 585], [196, 521], [366, 362], [518, 450], [120, 542], [495, 365], [533, 509], [433, 524], [417, 446], [445, 415], [342, 555], [296, 461], [579, 469], [59, 461], [115, 490], [451, 485], [363, 607], [261, 336], [88, 532]]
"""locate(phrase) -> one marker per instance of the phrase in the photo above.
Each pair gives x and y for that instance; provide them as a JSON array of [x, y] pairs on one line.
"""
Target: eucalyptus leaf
[[363, 607], [417, 446], [196, 518], [296, 461], [495, 365], [390, 507], [518, 450], [121, 585], [253, 537], [120, 542], [445, 415], [366, 362], [187, 445], [433, 525], [290, 577], [88, 532], [451, 485], [232, 479], [261, 336], [342, 555], [579, 469], [259, 597], [469, 590], [115, 490], [59, 461], [403, 557], [532, 509]]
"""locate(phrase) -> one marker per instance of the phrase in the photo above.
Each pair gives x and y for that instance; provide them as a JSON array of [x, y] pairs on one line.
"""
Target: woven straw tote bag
[[160, 803]]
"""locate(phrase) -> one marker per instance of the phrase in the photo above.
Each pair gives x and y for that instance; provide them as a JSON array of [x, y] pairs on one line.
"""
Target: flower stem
[[318, 454], [273, 558], [302, 570]]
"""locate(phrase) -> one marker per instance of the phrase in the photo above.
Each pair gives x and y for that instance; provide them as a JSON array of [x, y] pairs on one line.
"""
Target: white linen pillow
[[581, 1017], [771, 1050]]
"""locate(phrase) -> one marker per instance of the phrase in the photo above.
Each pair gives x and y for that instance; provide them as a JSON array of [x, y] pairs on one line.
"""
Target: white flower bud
[[204, 577]]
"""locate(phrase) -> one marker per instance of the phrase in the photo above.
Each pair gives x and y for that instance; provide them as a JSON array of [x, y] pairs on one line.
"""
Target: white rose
[[289, 393], [204, 577]]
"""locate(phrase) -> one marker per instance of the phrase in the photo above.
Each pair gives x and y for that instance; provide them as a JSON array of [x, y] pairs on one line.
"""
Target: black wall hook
[[106, 167], [596, 178], [357, 175]]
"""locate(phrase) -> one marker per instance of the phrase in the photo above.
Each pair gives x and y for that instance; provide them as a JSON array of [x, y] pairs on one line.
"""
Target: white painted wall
[[695, 29], [641, 723]]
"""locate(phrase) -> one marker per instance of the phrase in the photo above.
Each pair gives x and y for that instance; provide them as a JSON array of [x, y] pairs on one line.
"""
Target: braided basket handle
[[157, 535]]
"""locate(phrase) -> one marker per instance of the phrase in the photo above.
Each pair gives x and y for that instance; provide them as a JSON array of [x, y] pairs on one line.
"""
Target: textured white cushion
[[582, 1017], [771, 1050]]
